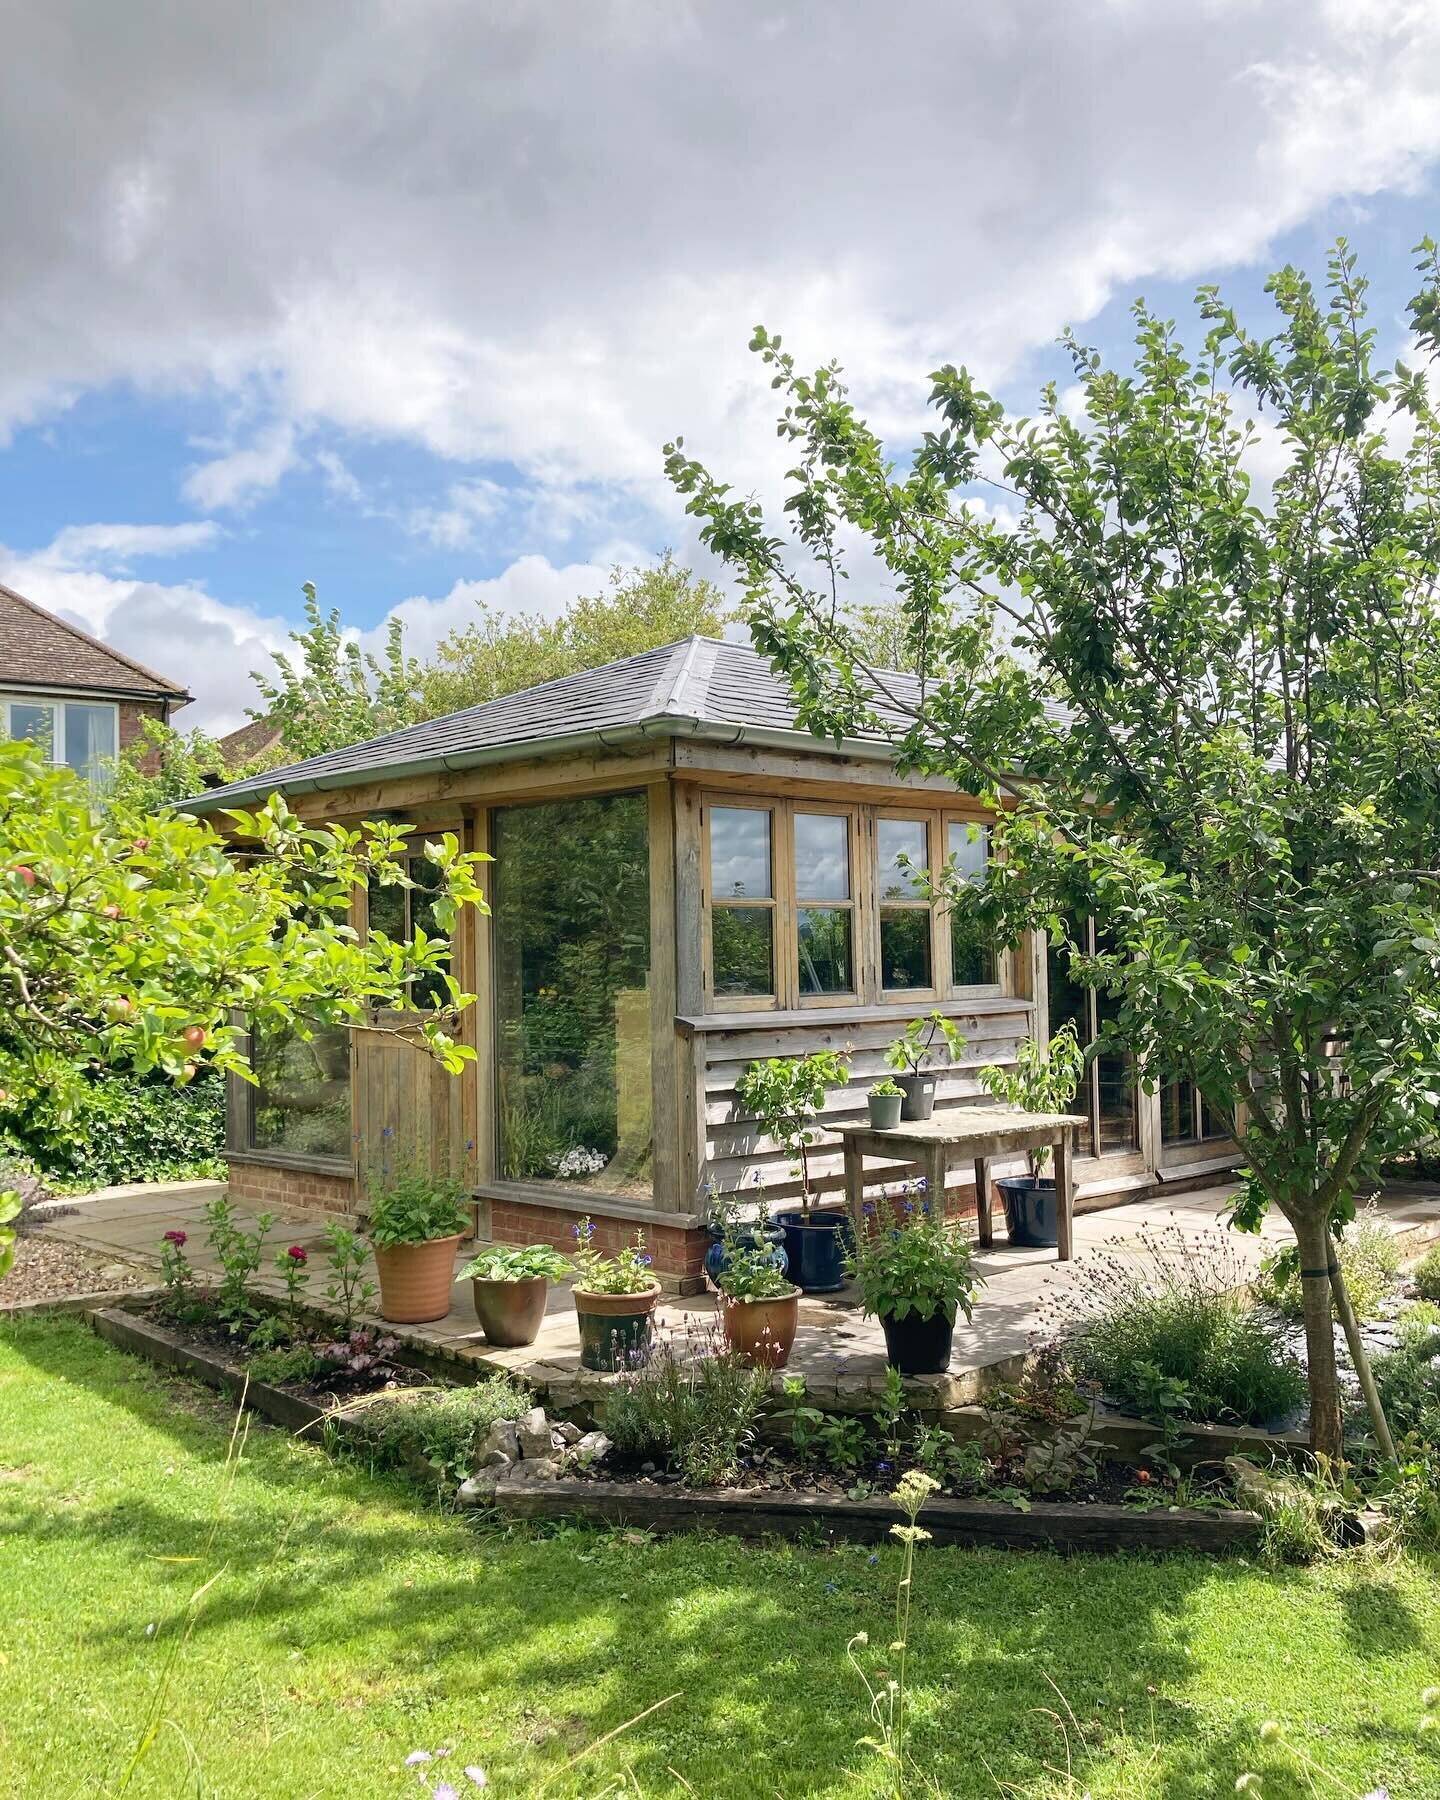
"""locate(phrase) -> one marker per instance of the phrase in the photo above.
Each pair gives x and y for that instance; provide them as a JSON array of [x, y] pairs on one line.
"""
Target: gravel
[[49, 1269]]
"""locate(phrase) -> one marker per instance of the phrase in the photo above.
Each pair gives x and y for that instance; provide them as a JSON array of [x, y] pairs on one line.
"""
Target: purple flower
[[389, 1131], [177, 1238], [477, 1775], [443, 1791], [872, 1558], [417, 1756]]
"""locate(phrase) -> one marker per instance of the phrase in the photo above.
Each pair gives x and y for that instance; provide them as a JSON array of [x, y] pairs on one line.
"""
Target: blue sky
[[406, 302]]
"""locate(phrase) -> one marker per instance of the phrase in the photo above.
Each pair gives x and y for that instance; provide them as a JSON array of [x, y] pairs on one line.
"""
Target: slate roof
[[39, 650], [699, 687]]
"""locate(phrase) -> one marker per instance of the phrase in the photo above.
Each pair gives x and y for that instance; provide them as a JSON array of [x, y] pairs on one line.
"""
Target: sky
[[404, 297]]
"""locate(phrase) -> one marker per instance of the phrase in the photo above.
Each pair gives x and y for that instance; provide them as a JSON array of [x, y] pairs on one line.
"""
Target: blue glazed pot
[[816, 1247], [716, 1256]]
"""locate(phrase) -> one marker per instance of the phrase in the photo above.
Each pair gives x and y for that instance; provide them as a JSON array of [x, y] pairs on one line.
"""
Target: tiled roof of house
[[247, 742], [699, 687], [40, 650]]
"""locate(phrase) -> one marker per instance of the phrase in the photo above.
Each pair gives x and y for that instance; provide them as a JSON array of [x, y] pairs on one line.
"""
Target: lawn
[[350, 1625]]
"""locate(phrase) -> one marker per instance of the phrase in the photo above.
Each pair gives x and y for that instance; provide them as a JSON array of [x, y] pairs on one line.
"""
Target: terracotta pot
[[762, 1331], [416, 1279], [510, 1312], [614, 1328]]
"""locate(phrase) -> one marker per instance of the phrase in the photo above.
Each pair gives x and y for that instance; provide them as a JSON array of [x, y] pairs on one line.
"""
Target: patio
[[840, 1353]]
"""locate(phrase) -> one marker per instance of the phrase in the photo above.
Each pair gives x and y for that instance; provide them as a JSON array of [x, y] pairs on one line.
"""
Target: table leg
[[985, 1229], [1064, 1198], [936, 1159], [854, 1182]]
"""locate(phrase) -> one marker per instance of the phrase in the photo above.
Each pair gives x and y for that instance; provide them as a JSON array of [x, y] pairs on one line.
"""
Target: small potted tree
[[915, 1275], [910, 1055], [614, 1301], [886, 1098], [1042, 1081], [417, 1219], [759, 1306], [784, 1094], [510, 1283]]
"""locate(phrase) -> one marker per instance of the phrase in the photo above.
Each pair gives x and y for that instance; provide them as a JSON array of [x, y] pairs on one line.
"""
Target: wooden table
[[977, 1133]]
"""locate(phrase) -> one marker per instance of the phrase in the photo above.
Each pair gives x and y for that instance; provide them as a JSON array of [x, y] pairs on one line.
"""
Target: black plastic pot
[[1031, 1216], [917, 1346], [919, 1101], [816, 1244]]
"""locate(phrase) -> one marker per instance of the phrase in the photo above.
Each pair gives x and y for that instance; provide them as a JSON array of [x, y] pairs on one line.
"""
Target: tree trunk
[[1316, 1255]]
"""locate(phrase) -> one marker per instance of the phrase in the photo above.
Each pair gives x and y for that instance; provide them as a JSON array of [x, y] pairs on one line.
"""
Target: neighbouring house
[[683, 881], [83, 700], [248, 743]]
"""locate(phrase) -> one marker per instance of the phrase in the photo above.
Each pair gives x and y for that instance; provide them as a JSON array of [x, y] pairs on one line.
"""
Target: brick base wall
[[297, 1190], [678, 1250]]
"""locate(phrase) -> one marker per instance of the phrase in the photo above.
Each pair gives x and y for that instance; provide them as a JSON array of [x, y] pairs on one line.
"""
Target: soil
[[49, 1268]]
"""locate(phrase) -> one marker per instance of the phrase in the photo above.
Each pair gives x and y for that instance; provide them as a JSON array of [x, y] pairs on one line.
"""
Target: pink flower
[[298, 1254], [177, 1238]]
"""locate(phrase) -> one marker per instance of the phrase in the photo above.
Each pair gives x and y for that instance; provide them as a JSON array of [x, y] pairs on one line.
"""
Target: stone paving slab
[[840, 1353]]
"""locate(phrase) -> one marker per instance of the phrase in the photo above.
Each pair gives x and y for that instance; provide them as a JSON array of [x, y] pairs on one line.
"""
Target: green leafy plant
[[884, 1089], [1418, 1321], [694, 1405], [349, 1287], [292, 1266], [9, 1213], [432, 1434], [840, 1440], [1426, 1276], [516, 1262], [287, 1362], [1369, 1259], [912, 1050], [627, 1272], [1042, 1081], [415, 1205], [784, 1094], [916, 1265], [750, 1272], [238, 1253], [112, 1126]]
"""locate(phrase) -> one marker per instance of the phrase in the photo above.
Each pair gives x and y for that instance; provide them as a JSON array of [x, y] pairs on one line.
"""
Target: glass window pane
[[905, 947], [1214, 1124], [742, 950], [34, 721], [739, 853], [897, 838], [1070, 1004], [824, 934], [302, 1103], [572, 987], [969, 846], [1177, 1113], [387, 910], [1115, 1084], [972, 956], [822, 856], [89, 738]]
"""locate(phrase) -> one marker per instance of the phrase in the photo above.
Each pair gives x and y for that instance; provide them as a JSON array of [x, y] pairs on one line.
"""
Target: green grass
[[349, 1626]]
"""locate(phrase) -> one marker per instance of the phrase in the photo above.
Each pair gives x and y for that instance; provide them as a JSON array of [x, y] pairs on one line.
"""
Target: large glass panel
[[572, 976], [1070, 1005], [822, 856], [972, 955], [90, 739], [34, 720], [1177, 1113], [740, 853], [742, 951], [908, 839], [905, 947], [302, 1103], [824, 933], [399, 912], [1115, 1090]]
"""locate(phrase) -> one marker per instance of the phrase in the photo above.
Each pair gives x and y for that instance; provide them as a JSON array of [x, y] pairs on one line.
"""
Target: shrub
[[127, 1128], [914, 1264], [1409, 1383], [694, 1411], [414, 1205], [1178, 1307], [432, 1433], [1426, 1276], [1369, 1259]]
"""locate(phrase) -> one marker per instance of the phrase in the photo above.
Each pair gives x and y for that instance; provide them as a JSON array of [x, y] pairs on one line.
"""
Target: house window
[[906, 919], [83, 734], [301, 1106], [1107, 1095], [742, 902], [973, 962], [1186, 1117], [571, 933], [400, 912], [824, 904]]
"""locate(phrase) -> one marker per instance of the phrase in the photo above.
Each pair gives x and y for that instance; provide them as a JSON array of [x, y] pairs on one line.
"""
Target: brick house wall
[[132, 715], [311, 1191]]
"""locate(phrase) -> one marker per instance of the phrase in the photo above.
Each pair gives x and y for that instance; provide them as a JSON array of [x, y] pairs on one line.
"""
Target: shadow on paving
[[759, 1661]]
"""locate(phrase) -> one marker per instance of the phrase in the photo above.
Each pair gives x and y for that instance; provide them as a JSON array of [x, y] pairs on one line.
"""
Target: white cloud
[[77, 546], [468, 505], [530, 584], [242, 475]]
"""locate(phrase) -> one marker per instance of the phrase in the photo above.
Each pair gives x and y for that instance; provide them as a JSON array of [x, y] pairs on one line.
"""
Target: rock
[[479, 1490], [1260, 1489], [592, 1448], [568, 1433], [535, 1468], [501, 1439], [494, 1460], [533, 1431]]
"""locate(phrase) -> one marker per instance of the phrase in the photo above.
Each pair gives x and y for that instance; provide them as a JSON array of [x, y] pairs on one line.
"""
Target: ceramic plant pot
[[761, 1331], [772, 1237], [885, 1110], [510, 1312], [919, 1092], [917, 1346], [1031, 1214], [615, 1329], [416, 1279], [816, 1244]]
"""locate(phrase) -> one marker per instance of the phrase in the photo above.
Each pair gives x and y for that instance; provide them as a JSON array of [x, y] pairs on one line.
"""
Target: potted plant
[[1042, 1081], [910, 1054], [915, 1276], [614, 1300], [759, 1306], [761, 1232], [886, 1098], [510, 1284], [417, 1219], [784, 1094]]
